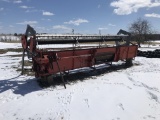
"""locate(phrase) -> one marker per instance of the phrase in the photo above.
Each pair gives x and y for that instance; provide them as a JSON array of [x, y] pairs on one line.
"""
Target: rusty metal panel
[[66, 63], [107, 49], [73, 59], [123, 52], [132, 52]]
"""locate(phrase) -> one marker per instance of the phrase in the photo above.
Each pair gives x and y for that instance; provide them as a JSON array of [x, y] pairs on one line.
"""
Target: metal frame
[[48, 62]]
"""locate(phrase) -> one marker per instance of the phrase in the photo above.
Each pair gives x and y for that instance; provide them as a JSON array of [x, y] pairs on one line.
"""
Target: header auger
[[50, 61]]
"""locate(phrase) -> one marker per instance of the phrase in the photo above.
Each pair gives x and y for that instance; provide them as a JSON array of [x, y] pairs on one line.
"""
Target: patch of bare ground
[[14, 41], [27, 68], [3, 51]]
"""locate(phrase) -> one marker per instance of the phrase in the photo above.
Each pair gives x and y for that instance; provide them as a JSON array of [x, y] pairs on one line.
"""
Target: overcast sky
[[84, 16]]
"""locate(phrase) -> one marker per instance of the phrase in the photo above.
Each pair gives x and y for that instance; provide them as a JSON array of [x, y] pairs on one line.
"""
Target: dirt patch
[[27, 68], [11, 41], [18, 55], [15, 50], [3, 51]]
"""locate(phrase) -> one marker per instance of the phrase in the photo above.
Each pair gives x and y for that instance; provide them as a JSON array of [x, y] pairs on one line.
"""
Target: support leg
[[61, 74], [23, 62]]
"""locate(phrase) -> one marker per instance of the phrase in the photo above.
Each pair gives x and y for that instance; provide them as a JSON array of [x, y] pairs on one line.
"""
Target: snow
[[10, 45], [122, 94], [156, 41], [149, 47], [70, 45]]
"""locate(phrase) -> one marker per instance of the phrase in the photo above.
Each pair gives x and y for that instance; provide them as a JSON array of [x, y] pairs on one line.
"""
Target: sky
[[82, 16]]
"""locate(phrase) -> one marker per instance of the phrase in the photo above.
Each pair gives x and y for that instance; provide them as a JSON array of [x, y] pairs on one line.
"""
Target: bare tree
[[140, 29]]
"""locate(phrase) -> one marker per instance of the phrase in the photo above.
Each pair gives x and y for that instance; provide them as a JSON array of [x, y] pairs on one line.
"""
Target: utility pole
[[99, 32], [72, 31]]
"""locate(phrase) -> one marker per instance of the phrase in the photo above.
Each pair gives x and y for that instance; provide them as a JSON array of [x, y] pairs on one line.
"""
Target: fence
[[8, 38]]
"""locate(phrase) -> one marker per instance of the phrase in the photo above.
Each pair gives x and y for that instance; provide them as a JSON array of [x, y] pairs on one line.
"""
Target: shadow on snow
[[19, 85], [85, 74]]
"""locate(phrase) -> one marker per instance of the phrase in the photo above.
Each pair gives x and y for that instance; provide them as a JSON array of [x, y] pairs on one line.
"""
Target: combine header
[[50, 61]]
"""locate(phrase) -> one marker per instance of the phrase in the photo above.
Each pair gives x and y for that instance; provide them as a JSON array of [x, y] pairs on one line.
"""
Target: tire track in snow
[[153, 96], [140, 84]]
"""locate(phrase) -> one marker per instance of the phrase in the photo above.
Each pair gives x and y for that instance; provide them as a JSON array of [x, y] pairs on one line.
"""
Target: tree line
[[141, 30]]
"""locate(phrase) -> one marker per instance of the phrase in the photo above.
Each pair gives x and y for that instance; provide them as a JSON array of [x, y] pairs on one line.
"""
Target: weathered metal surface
[[74, 41], [73, 59], [51, 61]]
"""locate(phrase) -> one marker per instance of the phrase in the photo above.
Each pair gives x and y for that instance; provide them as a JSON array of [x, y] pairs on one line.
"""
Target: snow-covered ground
[[149, 47], [10, 45], [123, 94]]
